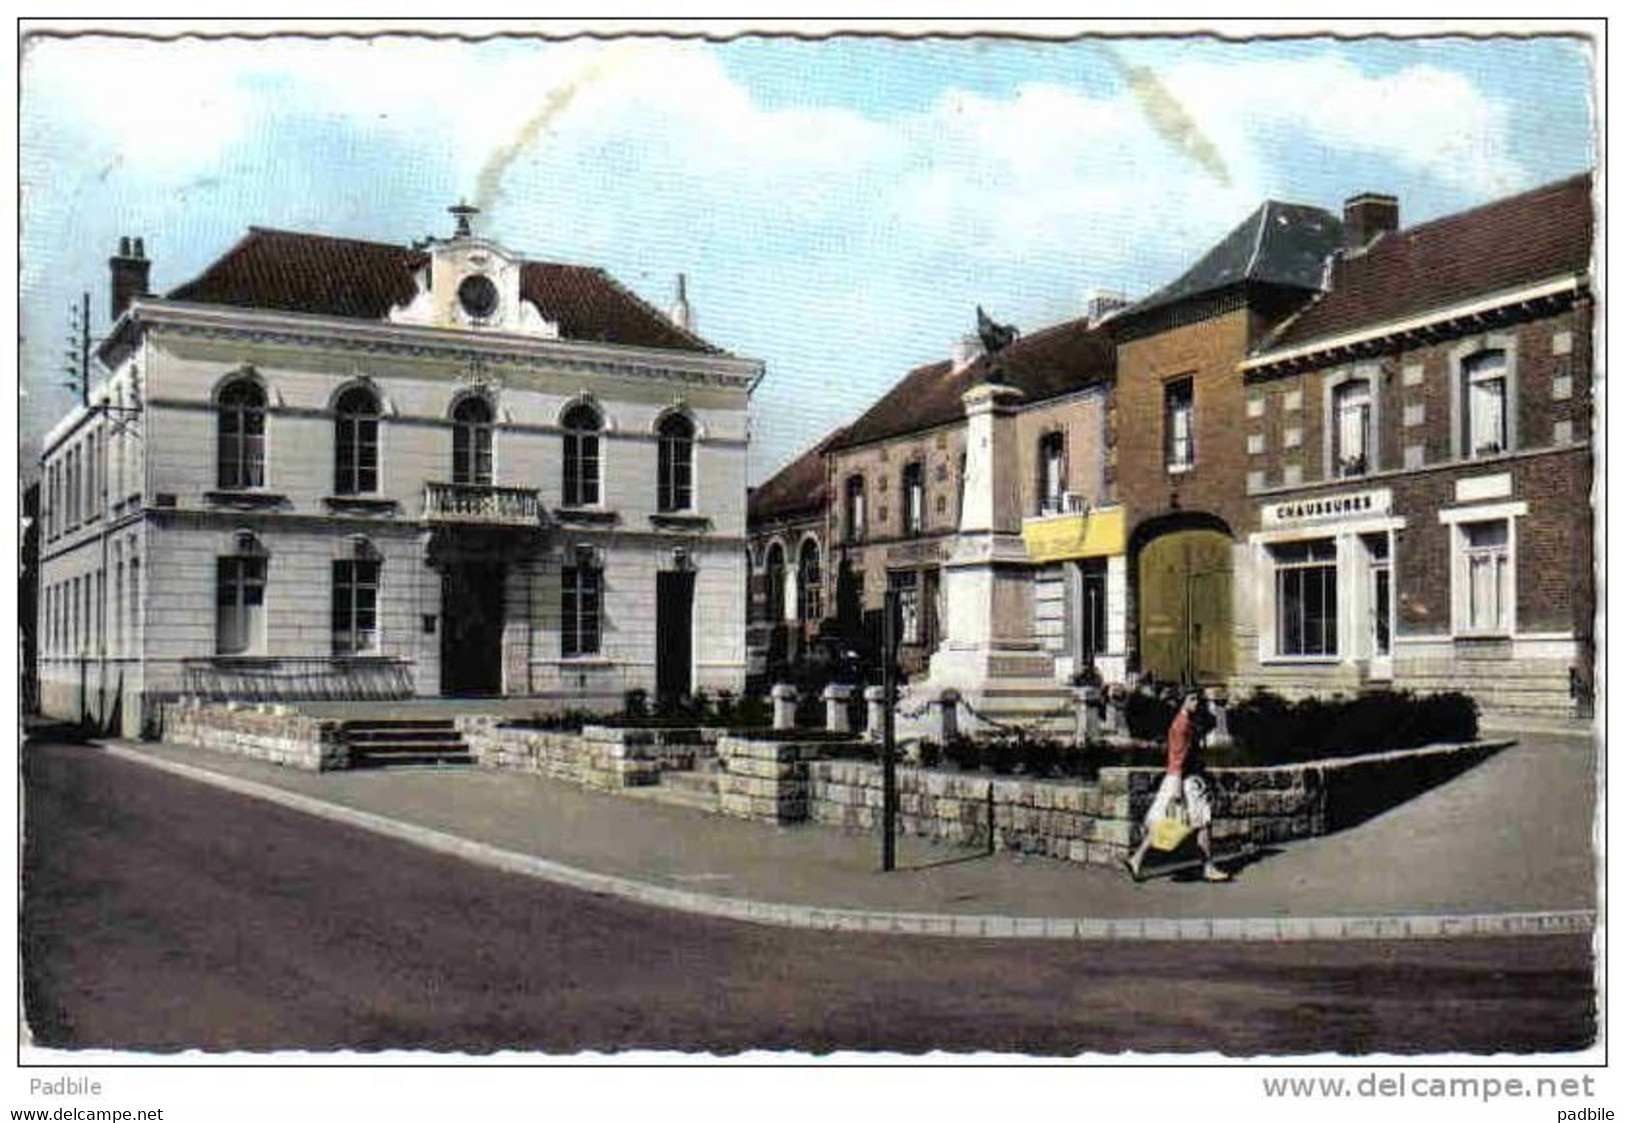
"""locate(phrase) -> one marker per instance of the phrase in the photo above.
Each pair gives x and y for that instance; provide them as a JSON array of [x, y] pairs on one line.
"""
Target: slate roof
[[1283, 244], [801, 487], [1053, 361], [288, 271], [1538, 235]]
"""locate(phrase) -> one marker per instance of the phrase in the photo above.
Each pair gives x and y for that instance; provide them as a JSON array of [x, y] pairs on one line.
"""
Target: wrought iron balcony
[[481, 505]]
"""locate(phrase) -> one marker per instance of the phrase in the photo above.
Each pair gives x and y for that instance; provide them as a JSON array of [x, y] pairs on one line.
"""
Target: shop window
[[1305, 597]]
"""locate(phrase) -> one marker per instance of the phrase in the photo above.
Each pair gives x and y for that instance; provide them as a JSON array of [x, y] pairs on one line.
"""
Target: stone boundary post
[[875, 698], [837, 716], [784, 705]]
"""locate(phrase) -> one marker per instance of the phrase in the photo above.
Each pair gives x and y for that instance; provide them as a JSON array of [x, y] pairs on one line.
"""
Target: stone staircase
[[384, 743], [694, 788]]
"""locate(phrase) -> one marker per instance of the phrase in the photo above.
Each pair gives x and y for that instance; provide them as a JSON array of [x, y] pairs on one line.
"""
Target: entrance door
[[471, 628], [674, 634], [1185, 630]]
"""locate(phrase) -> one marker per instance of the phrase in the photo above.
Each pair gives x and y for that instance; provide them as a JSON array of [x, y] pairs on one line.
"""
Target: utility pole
[[888, 739]]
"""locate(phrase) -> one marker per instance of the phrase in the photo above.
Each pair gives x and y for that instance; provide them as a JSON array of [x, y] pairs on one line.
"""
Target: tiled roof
[[1284, 244], [286, 271], [1538, 235], [801, 487], [1050, 362]]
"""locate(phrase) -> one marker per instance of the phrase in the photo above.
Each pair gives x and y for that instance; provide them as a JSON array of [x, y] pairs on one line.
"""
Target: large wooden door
[[471, 629], [1184, 607], [674, 634]]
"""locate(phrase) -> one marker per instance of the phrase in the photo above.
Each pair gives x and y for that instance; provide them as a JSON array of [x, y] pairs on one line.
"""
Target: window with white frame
[[471, 432], [1179, 423], [582, 606], [240, 452], [355, 469], [1484, 403], [355, 605], [1305, 597], [239, 604], [1351, 431], [1051, 473], [906, 583], [913, 498], [1484, 590], [809, 583], [582, 424], [856, 510], [676, 468]]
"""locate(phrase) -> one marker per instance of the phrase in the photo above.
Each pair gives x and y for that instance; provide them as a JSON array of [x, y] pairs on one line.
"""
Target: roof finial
[[681, 314], [464, 214]]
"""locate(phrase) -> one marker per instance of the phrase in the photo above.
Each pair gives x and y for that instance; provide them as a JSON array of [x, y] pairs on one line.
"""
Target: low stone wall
[[768, 781], [599, 756], [1099, 822], [269, 732]]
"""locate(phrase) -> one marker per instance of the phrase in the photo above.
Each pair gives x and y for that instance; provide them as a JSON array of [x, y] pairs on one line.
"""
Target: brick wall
[[1207, 352]]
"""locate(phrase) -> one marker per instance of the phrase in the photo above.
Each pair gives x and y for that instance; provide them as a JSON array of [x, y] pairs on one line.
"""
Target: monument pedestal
[[989, 655]]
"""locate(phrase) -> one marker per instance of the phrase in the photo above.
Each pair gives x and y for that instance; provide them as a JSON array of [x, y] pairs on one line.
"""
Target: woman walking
[[1183, 781]]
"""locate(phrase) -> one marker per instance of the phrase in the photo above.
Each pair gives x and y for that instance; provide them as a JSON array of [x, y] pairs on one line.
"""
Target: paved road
[[163, 915]]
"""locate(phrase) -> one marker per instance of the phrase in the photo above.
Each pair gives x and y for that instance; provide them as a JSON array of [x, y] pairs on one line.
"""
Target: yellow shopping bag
[[1170, 830]]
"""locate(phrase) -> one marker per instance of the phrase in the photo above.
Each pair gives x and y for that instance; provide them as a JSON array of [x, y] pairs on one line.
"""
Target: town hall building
[[329, 468]]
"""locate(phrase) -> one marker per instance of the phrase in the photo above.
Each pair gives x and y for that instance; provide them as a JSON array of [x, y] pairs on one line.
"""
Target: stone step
[[368, 759]]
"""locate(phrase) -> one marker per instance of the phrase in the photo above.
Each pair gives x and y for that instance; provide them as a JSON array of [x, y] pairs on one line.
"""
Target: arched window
[[1351, 435], [581, 463], [355, 469], [241, 446], [471, 442], [676, 463], [775, 583], [809, 583]]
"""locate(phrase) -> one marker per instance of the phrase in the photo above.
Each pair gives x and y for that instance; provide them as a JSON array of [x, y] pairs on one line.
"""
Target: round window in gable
[[477, 295]]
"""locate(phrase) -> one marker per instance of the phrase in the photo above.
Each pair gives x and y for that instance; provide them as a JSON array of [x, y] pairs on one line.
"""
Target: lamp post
[[888, 737]]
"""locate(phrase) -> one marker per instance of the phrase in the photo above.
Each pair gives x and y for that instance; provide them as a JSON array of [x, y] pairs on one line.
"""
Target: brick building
[[788, 519], [1419, 462], [1178, 453], [338, 468], [895, 488]]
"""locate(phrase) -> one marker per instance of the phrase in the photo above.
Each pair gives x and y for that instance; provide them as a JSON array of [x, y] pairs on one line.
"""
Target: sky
[[840, 206]]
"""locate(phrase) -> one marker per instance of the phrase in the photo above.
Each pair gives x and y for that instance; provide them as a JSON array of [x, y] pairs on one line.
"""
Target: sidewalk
[[1510, 839]]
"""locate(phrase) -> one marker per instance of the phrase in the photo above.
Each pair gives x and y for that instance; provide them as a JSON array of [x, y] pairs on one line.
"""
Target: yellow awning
[[1098, 534]]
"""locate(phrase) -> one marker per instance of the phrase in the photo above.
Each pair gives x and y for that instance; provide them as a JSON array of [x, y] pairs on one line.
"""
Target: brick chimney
[[1367, 215], [130, 269]]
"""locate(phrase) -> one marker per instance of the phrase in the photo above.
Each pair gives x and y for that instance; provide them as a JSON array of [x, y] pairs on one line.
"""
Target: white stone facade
[[129, 578]]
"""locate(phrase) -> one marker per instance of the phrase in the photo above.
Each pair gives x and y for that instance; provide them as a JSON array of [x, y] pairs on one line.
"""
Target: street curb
[[839, 919]]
